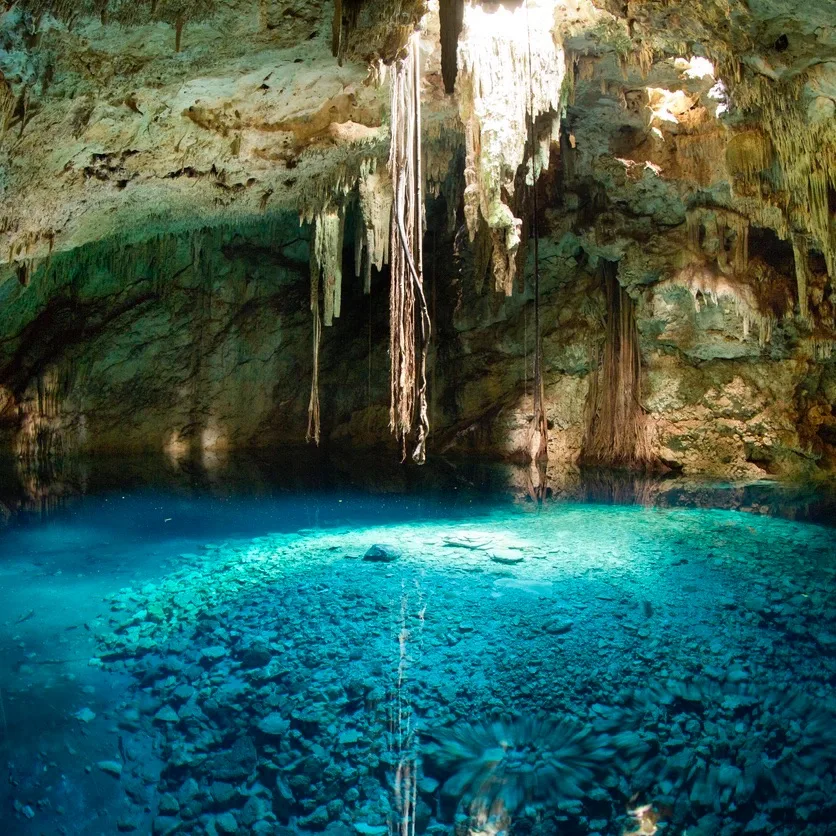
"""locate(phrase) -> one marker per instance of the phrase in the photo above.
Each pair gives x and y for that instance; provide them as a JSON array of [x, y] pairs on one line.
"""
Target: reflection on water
[[28, 489], [304, 646]]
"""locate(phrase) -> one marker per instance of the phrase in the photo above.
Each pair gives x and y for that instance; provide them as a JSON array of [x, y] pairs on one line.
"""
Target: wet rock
[[254, 810], [169, 805], [237, 763], [85, 715], [380, 553], [213, 654], [222, 793], [166, 715], [559, 626], [183, 693], [283, 799], [127, 824], [364, 829], [509, 559], [273, 725], [164, 825], [113, 768], [316, 820], [226, 823], [256, 656], [188, 791]]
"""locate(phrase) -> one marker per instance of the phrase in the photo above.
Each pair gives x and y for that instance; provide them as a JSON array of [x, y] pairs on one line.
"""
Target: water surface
[[201, 649]]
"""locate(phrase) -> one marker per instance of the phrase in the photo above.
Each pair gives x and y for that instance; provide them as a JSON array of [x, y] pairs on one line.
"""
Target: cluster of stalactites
[[510, 71], [371, 245], [707, 286], [720, 239], [717, 226], [795, 156], [373, 194]]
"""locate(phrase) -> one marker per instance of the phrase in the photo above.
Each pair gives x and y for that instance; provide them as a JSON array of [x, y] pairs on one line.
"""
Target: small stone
[[381, 554], [225, 823], [222, 793], [507, 559], [169, 805], [183, 693], [213, 654], [559, 626], [256, 656], [370, 829], [113, 768], [85, 715], [317, 819], [349, 737], [273, 725], [166, 715], [163, 825], [127, 824], [155, 613], [727, 775]]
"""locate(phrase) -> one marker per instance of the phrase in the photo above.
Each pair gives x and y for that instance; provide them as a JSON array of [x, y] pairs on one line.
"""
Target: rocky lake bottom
[[511, 667]]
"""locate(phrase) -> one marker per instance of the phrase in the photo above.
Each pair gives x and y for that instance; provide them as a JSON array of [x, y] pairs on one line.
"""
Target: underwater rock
[[507, 559], [236, 763], [213, 654], [364, 829], [381, 554], [226, 823], [559, 626], [273, 725], [113, 768], [256, 656], [166, 715], [165, 825]]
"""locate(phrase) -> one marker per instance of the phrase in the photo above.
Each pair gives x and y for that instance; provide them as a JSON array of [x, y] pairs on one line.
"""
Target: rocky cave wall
[[155, 291]]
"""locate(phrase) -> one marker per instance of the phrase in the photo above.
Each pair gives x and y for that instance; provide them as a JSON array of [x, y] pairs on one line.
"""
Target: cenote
[[418, 417]]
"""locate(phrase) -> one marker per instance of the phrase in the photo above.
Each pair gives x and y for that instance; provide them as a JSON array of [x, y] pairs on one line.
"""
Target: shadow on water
[[250, 492]]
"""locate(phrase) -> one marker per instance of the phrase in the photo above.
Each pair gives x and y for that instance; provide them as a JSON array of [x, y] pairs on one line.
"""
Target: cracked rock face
[[154, 275]]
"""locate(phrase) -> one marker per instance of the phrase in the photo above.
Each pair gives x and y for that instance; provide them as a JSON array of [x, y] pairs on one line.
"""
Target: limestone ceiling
[[111, 133]]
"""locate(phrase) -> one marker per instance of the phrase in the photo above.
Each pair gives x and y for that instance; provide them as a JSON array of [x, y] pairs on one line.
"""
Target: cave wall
[[202, 343], [154, 276]]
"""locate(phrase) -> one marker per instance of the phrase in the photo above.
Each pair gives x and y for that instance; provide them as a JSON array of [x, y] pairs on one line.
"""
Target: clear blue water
[[308, 646]]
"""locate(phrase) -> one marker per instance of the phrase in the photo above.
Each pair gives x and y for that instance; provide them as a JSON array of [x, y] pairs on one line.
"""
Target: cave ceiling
[[108, 131]]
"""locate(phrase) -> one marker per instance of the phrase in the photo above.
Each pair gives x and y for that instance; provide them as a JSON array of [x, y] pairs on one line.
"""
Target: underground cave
[[418, 417]]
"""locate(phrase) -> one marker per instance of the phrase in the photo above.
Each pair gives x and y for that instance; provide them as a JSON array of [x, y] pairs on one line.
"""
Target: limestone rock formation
[[155, 278]]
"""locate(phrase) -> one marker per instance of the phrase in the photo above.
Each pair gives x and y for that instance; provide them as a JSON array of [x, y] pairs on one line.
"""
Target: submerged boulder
[[380, 553]]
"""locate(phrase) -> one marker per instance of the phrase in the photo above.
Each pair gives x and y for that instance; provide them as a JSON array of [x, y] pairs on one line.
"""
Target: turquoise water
[[305, 648]]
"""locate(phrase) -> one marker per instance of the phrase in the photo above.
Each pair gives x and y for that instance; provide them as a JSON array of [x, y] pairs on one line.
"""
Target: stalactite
[[409, 325], [498, 53], [371, 246], [326, 260], [616, 424], [326, 282], [802, 273]]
